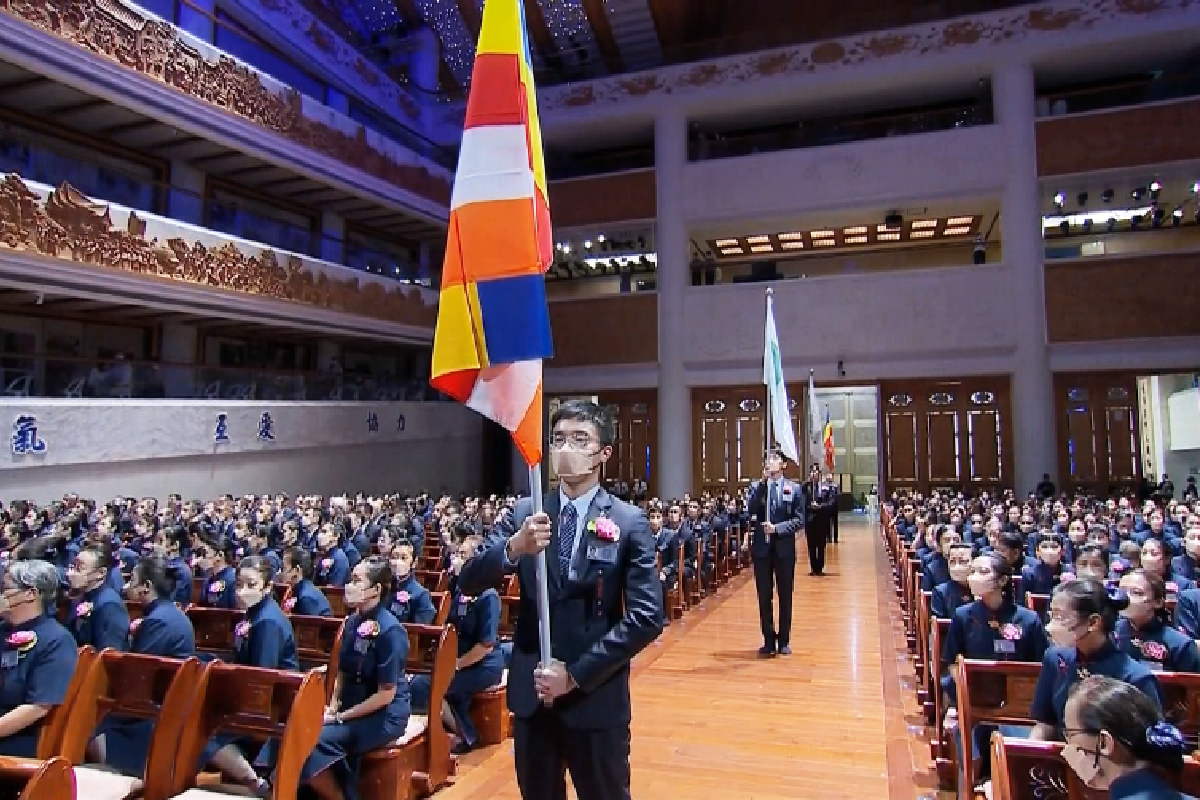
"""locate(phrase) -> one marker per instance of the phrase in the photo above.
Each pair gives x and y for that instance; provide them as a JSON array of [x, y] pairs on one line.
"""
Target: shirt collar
[[581, 503], [1135, 783]]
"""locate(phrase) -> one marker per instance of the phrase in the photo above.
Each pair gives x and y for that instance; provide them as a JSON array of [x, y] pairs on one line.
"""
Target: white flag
[[777, 399], [816, 425]]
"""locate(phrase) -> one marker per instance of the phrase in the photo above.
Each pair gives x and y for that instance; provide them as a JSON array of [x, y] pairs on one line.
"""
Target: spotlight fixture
[[1060, 199], [1196, 187], [1082, 198], [1107, 195], [1155, 188], [600, 238], [587, 244], [1138, 193], [1177, 217]]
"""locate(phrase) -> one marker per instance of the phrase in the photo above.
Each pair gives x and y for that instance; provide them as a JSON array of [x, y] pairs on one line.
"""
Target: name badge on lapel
[[1004, 646], [8, 659], [603, 551], [361, 646]]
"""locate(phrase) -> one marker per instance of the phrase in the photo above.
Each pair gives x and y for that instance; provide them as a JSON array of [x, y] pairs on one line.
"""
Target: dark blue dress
[[332, 568], [411, 602], [264, 639], [374, 652], [1063, 667], [1144, 784], [164, 631], [477, 620], [307, 600], [1160, 648], [220, 589], [182, 574], [35, 671], [99, 618]]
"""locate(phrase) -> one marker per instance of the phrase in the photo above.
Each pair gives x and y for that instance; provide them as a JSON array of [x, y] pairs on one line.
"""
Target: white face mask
[[401, 568], [1090, 573], [981, 584], [1084, 764], [77, 579], [355, 595], [1061, 636], [960, 572], [1051, 558], [1193, 548], [248, 598], [571, 463]]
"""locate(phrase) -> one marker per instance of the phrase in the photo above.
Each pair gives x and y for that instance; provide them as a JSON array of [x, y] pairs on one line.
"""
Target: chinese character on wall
[[266, 427], [373, 422], [221, 432], [25, 440]]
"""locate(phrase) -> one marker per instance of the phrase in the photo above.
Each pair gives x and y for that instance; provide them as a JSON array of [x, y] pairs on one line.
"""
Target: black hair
[[1131, 718], [299, 556], [1158, 592], [103, 551], [155, 571], [1089, 598], [379, 573], [586, 411], [260, 565], [1012, 540], [1003, 572]]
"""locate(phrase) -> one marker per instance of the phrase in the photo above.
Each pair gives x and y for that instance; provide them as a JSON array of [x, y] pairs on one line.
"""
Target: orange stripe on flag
[[497, 96], [528, 435], [494, 240], [545, 235]]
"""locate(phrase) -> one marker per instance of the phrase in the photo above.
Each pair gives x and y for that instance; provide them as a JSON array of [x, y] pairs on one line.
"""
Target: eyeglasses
[[578, 439]]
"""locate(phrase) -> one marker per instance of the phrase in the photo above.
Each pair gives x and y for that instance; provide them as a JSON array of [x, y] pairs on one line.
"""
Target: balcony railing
[[1129, 91], [38, 375]]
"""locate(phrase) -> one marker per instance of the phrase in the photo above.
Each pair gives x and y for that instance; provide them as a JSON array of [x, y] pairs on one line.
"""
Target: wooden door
[[729, 435], [1098, 432], [635, 413]]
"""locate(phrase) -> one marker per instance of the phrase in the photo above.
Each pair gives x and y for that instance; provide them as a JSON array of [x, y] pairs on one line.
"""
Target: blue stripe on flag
[[516, 320]]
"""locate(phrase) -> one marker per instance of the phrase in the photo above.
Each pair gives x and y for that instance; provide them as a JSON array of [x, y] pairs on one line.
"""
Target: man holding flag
[[776, 507], [595, 601]]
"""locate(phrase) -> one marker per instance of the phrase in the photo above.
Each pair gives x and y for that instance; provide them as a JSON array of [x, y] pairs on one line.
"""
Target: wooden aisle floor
[[710, 719]]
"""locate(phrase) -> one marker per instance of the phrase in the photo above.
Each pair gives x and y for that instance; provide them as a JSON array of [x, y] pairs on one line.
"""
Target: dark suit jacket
[[820, 505], [598, 622], [788, 518]]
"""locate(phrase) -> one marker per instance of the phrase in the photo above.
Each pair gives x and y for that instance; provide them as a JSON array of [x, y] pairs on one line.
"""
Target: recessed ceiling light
[[761, 248], [924, 223], [824, 242], [959, 221], [957, 231], [888, 237], [921, 234], [856, 240], [760, 239], [732, 251], [884, 228], [821, 234], [791, 237], [792, 245], [857, 229], [728, 243]]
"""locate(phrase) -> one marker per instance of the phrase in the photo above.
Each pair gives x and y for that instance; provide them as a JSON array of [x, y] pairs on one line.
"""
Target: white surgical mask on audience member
[[248, 598]]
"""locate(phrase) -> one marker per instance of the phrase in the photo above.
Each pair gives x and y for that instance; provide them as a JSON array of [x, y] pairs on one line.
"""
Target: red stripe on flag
[[545, 235], [497, 96], [458, 385]]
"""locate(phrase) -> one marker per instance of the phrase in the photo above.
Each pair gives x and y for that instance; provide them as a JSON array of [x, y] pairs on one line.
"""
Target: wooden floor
[[835, 720]]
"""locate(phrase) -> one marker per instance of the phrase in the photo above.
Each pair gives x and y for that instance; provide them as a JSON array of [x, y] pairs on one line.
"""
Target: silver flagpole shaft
[[770, 407], [543, 583]]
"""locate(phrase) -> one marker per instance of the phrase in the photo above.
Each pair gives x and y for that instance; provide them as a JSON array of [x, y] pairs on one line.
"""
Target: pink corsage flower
[[134, 624], [1010, 631], [326, 563], [1066, 577], [22, 640], [1172, 587], [607, 530], [83, 610], [368, 629], [289, 604], [242, 630], [1118, 567], [402, 596], [1154, 651], [216, 587]]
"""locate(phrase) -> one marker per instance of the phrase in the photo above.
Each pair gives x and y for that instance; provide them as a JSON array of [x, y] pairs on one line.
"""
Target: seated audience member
[[264, 639], [1117, 739], [1043, 576], [98, 616], [948, 596], [371, 704], [936, 569], [665, 541], [1154, 560], [408, 600], [1091, 563], [992, 628], [163, 630], [1188, 564], [1129, 557], [332, 566], [38, 656], [306, 599], [480, 664], [171, 543], [1083, 615], [1143, 634], [258, 543], [213, 557]]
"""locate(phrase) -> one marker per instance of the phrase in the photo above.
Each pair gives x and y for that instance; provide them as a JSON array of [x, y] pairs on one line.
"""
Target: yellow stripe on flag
[[454, 347], [500, 31]]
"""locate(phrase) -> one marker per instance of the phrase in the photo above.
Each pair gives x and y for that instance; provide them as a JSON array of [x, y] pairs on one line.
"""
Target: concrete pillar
[[186, 200], [178, 354]]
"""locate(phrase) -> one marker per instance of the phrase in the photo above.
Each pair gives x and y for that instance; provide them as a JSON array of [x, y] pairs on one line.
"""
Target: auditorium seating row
[[1001, 693]]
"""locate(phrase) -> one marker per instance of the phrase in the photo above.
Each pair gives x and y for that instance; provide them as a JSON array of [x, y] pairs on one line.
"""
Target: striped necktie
[[568, 522]]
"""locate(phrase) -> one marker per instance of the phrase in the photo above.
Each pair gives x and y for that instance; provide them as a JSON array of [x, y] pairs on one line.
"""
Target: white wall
[[103, 449], [875, 174]]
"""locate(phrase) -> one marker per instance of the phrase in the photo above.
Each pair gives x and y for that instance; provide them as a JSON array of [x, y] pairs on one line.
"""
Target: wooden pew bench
[[214, 629], [318, 646], [32, 779], [419, 762], [490, 715]]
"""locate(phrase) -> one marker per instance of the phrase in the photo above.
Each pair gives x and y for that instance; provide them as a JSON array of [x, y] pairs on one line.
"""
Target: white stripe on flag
[[504, 393], [493, 164]]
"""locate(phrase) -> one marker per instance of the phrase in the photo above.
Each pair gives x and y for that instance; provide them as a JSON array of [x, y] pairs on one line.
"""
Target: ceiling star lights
[[458, 46], [565, 19]]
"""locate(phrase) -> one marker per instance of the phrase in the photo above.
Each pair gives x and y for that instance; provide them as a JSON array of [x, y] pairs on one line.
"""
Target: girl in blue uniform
[[98, 616], [408, 601], [1043, 576], [163, 630], [1155, 561], [1143, 634], [305, 598], [332, 566], [1188, 564], [955, 592], [37, 655], [213, 556], [263, 639], [480, 664], [1117, 739], [1083, 615], [370, 705], [936, 569]]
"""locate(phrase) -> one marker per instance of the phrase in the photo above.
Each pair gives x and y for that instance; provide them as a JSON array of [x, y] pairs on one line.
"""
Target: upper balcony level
[[133, 80]]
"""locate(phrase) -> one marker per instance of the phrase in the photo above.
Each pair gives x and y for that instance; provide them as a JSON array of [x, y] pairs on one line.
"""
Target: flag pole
[[770, 405], [543, 584]]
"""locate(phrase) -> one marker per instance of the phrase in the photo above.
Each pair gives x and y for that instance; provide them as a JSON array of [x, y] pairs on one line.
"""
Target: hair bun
[[1165, 744]]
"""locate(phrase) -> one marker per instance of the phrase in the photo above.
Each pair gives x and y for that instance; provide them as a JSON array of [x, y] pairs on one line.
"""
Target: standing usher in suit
[[779, 501]]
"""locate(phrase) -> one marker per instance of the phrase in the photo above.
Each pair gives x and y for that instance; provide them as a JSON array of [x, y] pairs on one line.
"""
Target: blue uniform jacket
[[99, 618]]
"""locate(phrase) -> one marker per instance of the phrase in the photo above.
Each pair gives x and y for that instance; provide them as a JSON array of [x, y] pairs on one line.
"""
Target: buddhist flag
[[815, 427], [827, 440], [777, 400], [493, 326]]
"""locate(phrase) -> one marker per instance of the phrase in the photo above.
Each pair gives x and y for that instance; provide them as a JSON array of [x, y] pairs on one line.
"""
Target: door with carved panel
[[729, 436], [635, 415], [946, 434], [1098, 432]]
